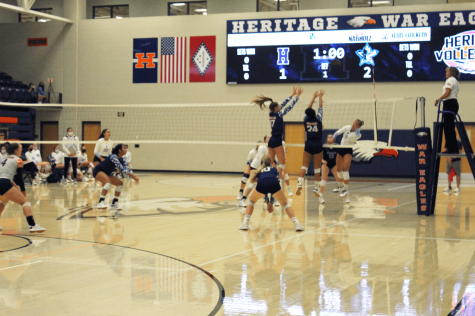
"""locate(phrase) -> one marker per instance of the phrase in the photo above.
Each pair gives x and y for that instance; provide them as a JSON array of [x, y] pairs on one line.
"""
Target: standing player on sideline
[[261, 152], [245, 177], [268, 182], [276, 117], [329, 163], [10, 166], [103, 173], [71, 150], [313, 141], [351, 133], [103, 147]]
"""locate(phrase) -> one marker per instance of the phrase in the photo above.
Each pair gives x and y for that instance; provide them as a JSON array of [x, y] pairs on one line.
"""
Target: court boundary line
[[218, 283], [24, 246]]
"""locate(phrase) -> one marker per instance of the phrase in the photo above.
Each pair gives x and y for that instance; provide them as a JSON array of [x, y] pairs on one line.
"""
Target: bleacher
[[16, 123], [14, 91]]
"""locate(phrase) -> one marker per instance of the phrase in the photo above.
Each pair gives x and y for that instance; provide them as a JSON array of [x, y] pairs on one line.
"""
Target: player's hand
[[299, 91], [322, 92], [436, 102], [294, 90], [135, 178], [316, 94], [449, 160]]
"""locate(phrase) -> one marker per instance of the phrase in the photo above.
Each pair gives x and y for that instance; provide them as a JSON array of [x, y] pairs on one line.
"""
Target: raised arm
[[340, 131], [296, 91], [315, 95]]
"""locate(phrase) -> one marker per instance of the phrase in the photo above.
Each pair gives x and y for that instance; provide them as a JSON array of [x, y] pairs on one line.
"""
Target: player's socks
[[242, 191], [115, 200], [31, 220], [345, 187], [101, 198]]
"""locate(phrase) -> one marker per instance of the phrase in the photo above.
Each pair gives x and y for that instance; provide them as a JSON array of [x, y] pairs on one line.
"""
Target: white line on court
[[296, 236], [25, 264], [404, 186]]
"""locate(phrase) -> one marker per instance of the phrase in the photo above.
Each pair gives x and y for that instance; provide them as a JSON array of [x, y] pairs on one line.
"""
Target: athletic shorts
[[313, 148], [457, 165], [96, 171], [5, 186], [97, 159], [275, 141], [249, 162], [268, 186], [344, 151], [331, 164]]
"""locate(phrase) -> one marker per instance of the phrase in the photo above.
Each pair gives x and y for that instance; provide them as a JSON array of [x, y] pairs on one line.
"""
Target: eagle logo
[[359, 21], [365, 150]]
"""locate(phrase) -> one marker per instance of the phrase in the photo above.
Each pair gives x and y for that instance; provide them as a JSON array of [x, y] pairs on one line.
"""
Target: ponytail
[[360, 122], [265, 162], [260, 100]]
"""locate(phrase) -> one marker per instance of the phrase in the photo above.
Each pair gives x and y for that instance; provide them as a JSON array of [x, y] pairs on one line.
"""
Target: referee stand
[[436, 154]]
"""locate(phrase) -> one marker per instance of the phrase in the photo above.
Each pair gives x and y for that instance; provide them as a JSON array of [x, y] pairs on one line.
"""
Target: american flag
[[173, 63]]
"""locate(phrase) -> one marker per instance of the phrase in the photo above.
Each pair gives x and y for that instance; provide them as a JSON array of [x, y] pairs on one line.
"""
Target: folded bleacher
[[14, 91]]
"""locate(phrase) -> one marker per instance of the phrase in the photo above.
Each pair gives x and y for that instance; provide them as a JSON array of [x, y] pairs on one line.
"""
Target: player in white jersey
[[9, 190], [256, 163], [71, 150], [84, 162], [247, 169], [351, 133], [103, 147]]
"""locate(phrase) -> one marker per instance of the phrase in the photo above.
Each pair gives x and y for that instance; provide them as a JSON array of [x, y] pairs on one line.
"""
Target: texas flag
[[145, 60], [202, 58]]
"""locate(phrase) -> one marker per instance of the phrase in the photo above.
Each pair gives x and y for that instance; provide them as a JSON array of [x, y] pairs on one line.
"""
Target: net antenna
[[375, 117]]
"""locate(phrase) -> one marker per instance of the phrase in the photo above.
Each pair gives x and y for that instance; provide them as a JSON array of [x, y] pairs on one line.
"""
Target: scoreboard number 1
[[282, 72]]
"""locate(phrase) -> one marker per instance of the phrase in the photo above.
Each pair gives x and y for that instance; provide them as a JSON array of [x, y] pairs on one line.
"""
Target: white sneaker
[[448, 190], [457, 191], [242, 203], [74, 182], [347, 200], [1, 228], [101, 206], [316, 192], [244, 225], [239, 196], [321, 200], [289, 190], [337, 189], [298, 227], [44, 175], [344, 193], [37, 229], [116, 207], [299, 190]]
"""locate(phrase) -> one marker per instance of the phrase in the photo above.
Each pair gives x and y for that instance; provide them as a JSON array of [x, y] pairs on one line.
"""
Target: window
[[187, 8], [31, 18], [277, 5], [110, 12], [369, 3]]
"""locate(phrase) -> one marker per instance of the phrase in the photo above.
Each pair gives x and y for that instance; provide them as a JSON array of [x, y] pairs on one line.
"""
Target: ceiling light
[[380, 1], [179, 4], [44, 20], [201, 10]]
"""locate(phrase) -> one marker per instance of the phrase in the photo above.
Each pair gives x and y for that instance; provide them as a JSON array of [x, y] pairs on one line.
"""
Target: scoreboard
[[392, 48]]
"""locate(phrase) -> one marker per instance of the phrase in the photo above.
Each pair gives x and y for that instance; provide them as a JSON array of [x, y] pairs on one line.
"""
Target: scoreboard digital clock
[[397, 47]]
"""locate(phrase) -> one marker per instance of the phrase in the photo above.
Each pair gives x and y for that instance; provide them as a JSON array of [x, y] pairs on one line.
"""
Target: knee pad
[[251, 185], [47, 167], [286, 206], [282, 167], [107, 186], [305, 168], [119, 188], [250, 203], [26, 204], [245, 178], [323, 183], [346, 175], [340, 174], [316, 170], [286, 177]]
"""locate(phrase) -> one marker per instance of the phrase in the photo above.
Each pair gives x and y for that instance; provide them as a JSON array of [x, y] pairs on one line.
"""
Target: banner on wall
[[173, 60], [145, 60], [202, 58]]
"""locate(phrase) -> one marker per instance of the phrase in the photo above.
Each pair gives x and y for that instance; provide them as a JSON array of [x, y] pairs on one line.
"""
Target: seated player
[[84, 163], [35, 156], [267, 182], [103, 172], [11, 166], [32, 168]]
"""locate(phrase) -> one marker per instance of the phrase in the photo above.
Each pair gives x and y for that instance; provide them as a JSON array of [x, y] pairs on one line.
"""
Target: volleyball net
[[218, 123]]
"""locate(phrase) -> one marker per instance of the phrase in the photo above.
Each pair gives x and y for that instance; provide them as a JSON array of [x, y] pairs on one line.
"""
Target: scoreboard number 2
[[367, 73]]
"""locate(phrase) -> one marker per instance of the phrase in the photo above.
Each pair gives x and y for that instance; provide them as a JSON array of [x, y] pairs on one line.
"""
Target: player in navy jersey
[[328, 163], [103, 173], [276, 117], [267, 182], [313, 141]]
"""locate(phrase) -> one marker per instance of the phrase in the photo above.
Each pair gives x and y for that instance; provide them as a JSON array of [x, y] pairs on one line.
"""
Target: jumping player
[[313, 141], [268, 182], [103, 173], [328, 163], [276, 117], [351, 133], [245, 177], [255, 163], [10, 166]]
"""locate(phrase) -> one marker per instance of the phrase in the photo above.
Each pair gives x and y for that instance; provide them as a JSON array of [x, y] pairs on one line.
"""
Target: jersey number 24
[[313, 128]]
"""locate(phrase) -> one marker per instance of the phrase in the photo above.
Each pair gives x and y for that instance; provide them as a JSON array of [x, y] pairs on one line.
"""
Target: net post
[[391, 126], [374, 112], [423, 111]]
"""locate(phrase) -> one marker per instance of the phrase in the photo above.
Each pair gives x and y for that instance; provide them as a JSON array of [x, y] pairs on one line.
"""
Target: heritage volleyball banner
[[145, 60], [202, 58]]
